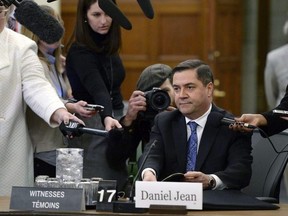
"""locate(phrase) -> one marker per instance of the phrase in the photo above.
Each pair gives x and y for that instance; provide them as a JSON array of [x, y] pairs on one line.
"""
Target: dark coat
[[222, 151], [275, 123]]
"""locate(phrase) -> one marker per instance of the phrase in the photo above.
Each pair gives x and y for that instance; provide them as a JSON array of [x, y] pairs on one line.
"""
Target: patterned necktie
[[192, 147]]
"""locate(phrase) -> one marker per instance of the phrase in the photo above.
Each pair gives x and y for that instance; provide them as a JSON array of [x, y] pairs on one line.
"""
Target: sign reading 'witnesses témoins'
[[47, 199]]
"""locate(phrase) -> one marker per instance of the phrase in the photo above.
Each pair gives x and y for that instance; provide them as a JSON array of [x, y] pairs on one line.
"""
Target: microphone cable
[[270, 141], [229, 121]]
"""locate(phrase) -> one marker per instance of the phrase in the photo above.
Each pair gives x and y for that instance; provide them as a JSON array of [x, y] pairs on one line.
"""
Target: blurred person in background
[[22, 83], [96, 72], [45, 139], [139, 119], [276, 73]]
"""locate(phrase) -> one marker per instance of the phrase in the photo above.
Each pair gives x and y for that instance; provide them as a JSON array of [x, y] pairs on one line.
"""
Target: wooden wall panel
[[175, 33], [210, 30]]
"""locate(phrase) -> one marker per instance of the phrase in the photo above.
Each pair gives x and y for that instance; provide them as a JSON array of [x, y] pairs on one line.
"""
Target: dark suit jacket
[[275, 123], [222, 151]]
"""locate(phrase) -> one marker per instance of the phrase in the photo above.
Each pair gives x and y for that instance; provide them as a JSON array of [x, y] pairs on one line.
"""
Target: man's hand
[[136, 103], [149, 176], [192, 176]]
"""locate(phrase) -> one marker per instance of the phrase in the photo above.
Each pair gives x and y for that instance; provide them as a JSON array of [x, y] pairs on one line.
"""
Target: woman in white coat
[[22, 82]]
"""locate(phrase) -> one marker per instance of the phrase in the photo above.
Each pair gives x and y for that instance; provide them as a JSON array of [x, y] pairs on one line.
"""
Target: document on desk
[[169, 193]]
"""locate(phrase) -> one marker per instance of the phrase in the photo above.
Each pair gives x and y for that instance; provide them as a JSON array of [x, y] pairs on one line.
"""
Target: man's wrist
[[212, 182], [145, 171]]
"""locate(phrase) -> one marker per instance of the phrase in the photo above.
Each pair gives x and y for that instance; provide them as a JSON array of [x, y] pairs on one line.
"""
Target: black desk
[[5, 202]]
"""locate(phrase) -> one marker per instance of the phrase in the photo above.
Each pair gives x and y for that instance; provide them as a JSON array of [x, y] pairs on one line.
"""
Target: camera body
[[157, 100]]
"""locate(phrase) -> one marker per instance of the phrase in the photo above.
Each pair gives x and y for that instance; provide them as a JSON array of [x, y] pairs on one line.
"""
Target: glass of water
[[69, 164]]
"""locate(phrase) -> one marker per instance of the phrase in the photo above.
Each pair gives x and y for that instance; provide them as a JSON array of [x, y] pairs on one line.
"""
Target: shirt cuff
[[219, 183], [147, 169]]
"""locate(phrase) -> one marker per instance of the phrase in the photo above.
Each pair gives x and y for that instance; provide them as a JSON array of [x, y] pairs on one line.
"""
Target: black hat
[[153, 76]]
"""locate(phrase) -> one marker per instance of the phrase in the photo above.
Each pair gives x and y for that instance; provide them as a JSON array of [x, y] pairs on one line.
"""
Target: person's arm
[[136, 103], [268, 122], [87, 67], [62, 115], [79, 108], [238, 171], [38, 92]]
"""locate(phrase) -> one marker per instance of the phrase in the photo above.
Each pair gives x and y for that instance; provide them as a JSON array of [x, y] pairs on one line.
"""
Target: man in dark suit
[[223, 156]]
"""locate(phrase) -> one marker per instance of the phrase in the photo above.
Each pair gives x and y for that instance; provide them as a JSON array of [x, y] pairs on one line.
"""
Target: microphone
[[76, 129], [147, 8], [38, 21], [7, 3], [228, 121], [110, 8], [129, 206]]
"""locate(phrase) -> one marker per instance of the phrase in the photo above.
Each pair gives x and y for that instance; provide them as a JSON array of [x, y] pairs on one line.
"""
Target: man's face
[[191, 96]]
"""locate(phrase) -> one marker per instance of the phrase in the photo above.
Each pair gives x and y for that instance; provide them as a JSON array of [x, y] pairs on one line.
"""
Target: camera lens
[[160, 100]]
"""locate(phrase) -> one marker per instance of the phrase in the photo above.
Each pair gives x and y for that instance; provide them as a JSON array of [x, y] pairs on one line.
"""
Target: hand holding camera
[[157, 100], [146, 104]]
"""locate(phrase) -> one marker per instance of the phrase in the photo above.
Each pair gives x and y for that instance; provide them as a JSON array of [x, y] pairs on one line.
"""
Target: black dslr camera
[[157, 100]]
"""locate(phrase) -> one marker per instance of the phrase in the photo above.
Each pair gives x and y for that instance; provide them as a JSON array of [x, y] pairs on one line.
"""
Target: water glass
[[69, 164]]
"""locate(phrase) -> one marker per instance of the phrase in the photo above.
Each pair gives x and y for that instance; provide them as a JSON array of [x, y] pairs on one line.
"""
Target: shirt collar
[[201, 121]]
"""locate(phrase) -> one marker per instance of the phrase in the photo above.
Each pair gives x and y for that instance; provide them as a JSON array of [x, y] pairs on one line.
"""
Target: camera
[[157, 100]]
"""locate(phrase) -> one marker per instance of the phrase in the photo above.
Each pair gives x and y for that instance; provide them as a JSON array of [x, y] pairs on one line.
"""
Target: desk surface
[[283, 211]]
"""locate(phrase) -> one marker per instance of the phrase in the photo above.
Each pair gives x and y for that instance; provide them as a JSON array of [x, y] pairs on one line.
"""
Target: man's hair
[[204, 73]]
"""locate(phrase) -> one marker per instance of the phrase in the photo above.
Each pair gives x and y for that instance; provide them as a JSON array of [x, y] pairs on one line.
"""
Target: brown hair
[[204, 72], [82, 32]]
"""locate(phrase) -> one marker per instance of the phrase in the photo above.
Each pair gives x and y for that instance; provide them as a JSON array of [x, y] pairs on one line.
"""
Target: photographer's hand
[[136, 103], [111, 123]]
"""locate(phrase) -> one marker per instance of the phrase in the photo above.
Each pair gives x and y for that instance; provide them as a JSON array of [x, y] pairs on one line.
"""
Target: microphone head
[[38, 21], [110, 8], [146, 8], [71, 129]]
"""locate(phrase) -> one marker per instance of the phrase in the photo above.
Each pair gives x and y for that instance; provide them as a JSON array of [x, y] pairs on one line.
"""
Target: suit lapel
[[208, 137]]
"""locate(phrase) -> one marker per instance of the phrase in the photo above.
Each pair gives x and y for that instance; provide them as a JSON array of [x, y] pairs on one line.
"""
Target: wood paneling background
[[210, 30]]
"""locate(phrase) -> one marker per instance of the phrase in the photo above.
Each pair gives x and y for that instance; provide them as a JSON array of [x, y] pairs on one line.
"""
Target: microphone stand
[[129, 206]]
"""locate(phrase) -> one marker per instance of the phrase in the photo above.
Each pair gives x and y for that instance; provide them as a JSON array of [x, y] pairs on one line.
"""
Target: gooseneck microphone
[[147, 8], [38, 21], [76, 129], [131, 197], [228, 121], [112, 10], [129, 206]]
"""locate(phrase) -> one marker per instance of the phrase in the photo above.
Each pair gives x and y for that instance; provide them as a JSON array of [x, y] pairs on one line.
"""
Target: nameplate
[[107, 192], [47, 199], [169, 193]]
